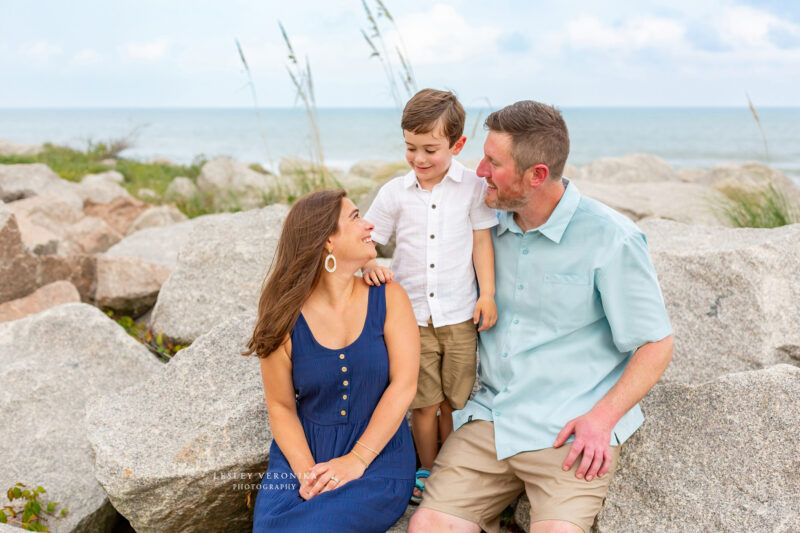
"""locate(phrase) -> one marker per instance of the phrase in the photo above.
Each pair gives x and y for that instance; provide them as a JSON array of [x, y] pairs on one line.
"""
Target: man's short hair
[[428, 108], [538, 132]]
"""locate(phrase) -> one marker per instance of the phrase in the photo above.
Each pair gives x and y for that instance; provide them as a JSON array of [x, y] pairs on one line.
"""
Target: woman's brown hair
[[296, 268]]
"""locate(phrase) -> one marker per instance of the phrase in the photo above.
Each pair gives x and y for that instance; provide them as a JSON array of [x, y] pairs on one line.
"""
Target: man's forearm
[[642, 373]]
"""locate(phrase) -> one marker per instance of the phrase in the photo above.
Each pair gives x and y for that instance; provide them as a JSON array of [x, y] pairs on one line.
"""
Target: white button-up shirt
[[433, 255]]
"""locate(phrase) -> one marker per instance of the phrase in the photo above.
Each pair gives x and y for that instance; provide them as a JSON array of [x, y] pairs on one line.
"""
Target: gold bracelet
[[366, 465], [367, 447]]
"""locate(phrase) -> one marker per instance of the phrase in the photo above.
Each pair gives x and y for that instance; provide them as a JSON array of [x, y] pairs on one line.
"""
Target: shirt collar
[[455, 173], [559, 219]]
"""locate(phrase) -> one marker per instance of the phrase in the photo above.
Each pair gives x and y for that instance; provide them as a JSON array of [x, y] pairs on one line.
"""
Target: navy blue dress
[[337, 391]]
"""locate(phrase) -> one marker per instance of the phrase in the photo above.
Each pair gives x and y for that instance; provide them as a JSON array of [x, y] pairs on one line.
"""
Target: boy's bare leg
[[425, 430], [445, 420]]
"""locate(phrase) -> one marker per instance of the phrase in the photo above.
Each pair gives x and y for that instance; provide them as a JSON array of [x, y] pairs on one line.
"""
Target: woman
[[339, 360]]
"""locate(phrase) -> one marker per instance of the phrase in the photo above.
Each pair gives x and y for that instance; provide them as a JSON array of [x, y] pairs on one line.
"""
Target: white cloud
[[149, 51], [441, 36], [86, 57], [633, 33], [42, 51], [744, 27]]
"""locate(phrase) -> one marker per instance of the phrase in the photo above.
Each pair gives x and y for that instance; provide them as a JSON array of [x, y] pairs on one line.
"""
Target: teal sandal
[[419, 484]]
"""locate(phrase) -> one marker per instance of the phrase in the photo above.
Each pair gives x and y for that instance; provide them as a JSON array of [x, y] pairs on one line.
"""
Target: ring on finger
[[335, 479]]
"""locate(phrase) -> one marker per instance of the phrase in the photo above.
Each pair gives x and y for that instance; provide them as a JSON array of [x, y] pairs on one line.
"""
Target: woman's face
[[353, 240]]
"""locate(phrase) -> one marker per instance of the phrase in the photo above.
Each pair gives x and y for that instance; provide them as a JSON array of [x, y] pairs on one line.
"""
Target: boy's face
[[429, 154]]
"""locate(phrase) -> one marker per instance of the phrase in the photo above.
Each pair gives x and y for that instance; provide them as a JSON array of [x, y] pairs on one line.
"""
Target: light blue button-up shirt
[[575, 298]]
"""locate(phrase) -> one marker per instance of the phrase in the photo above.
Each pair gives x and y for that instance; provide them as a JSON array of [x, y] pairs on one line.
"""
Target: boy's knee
[[427, 411]]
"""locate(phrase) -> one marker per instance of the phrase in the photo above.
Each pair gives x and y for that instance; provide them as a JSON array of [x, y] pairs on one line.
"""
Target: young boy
[[443, 241]]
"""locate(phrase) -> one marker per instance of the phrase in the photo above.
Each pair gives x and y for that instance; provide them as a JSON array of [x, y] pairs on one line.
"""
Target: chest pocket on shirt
[[566, 300]]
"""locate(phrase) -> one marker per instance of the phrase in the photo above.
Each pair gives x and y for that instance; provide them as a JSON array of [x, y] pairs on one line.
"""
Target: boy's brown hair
[[428, 108], [538, 135]]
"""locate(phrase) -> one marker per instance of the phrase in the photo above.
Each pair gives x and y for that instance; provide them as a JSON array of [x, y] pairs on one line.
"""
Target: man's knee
[[554, 526], [431, 521]]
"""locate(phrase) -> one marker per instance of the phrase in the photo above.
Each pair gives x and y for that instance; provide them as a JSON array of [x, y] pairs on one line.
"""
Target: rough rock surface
[[128, 285], [721, 456], [17, 265], [23, 181], [163, 215], [689, 203], [92, 235], [732, 296], [51, 364], [181, 188], [120, 213], [172, 450], [50, 295], [220, 272], [631, 168], [749, 175], [41, 220], [101, 188], [234, 184], [157, 245], [148, 195]]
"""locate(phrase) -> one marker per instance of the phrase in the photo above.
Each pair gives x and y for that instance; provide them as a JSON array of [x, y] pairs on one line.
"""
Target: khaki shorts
[[469, 482], [448, 364]]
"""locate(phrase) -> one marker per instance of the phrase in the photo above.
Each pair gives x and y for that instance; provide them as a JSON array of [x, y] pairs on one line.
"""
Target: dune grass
[[764, 207]]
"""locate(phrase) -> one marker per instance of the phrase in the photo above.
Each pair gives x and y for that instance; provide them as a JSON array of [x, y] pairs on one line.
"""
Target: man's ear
[[459, 145], [536, 175]]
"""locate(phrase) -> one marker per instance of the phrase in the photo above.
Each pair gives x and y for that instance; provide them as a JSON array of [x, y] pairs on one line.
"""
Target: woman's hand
[[332, 475]]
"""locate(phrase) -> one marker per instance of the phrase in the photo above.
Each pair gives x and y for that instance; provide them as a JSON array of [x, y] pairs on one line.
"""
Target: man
[[582, 335]]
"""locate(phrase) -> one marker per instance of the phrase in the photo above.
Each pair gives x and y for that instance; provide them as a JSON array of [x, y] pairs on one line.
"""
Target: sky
[[181, 53]]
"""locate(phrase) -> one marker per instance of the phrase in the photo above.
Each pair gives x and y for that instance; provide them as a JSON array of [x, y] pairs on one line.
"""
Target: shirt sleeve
[[382, 213], [481, 216], [631, 296]]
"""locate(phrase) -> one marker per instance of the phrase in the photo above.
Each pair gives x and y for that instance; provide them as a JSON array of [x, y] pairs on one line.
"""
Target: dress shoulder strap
[[377, 305]]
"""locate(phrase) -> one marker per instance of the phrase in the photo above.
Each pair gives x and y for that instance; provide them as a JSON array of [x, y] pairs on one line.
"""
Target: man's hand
[[592, 438], [487, 308], [375, 275]]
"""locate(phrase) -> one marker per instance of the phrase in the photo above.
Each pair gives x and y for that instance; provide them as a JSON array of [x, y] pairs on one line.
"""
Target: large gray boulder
[[220, 272], [23, 181], [631, 168], [234, 185], [51, 364], [42, 221], [158, 245], [17, 264], [732, 296], [689, 203], [102, 188], [181, 189], [749, 175], [720, 456], [180, 451]]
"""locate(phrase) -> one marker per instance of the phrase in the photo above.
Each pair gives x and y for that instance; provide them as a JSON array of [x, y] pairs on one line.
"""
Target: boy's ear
[[459, 145]]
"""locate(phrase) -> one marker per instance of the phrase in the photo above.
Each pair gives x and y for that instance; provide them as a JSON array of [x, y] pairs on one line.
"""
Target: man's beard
[[512, 200]]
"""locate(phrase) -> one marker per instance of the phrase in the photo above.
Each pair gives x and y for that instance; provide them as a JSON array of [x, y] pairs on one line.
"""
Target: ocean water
[[684, 137]]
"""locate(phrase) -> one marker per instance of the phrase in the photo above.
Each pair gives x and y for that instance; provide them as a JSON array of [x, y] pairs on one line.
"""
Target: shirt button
[[505, 354], [520, 286], [433, 206], [496, 413], [343, 412], [525, 251], [431, 295], [341, 355], [344, 369], [516, 321], [344, 396], [431, 235], [505, 389], [431, 265], [345, 383]]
